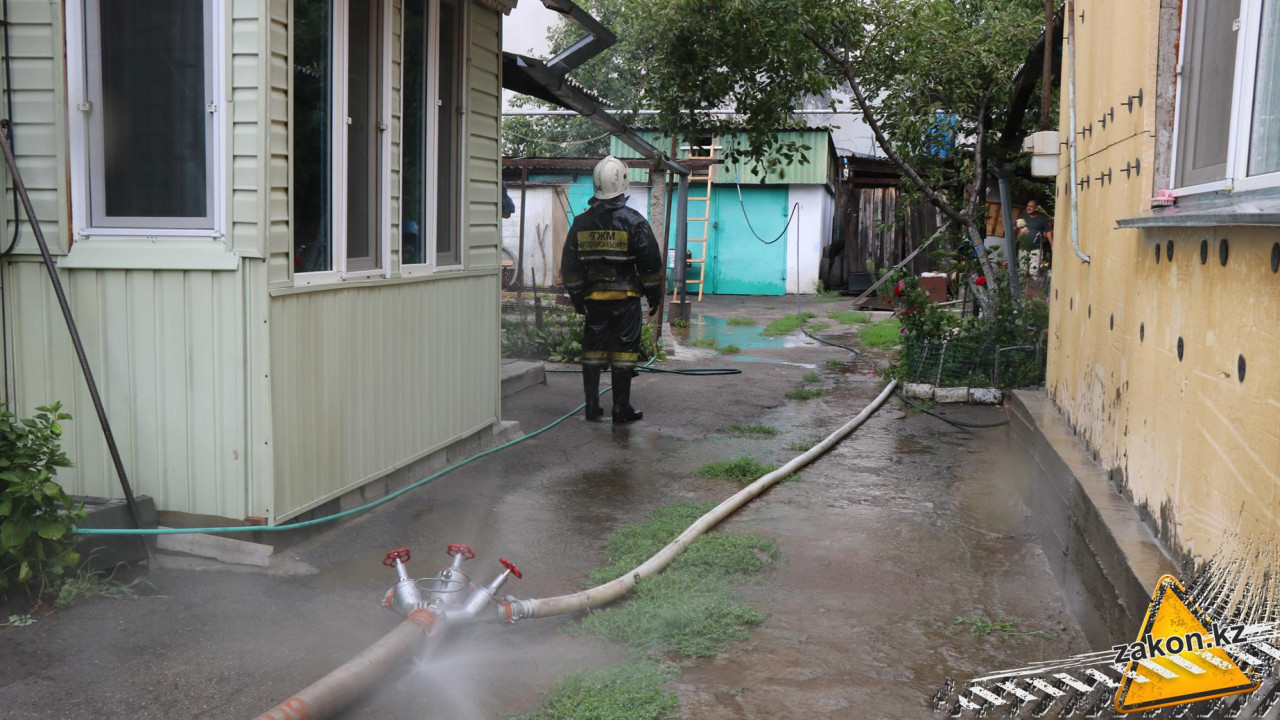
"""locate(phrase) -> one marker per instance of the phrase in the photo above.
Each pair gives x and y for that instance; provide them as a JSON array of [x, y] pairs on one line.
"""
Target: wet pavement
[[901, 529]]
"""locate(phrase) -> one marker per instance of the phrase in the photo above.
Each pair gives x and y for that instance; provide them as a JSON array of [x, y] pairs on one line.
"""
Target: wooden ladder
[[699, 261]]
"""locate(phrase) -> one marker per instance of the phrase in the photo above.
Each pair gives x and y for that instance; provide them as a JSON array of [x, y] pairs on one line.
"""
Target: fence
[[967, 363]]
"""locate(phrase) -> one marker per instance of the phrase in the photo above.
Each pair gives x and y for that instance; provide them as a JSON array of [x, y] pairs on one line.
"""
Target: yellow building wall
[[1194, 442]]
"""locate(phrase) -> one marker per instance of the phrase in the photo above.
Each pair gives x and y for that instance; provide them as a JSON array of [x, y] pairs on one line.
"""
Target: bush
[[38, 516], [560, 338]]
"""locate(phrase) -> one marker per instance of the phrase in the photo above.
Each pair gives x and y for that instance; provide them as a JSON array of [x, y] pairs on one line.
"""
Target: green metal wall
[[816, 171]]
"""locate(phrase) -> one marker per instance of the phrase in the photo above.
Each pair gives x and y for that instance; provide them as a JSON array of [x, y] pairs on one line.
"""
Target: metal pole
[[1046, 76], [682, 246], [519, 274], [1071, 128], [1004, 172]]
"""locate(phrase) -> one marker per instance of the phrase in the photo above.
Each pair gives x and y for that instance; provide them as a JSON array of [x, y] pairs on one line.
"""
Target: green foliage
[[849, 317], [982, 626], [649, 348], [805, 393], [787, 324], [560, 338], [689, 608], [825, 292], [883, 335], [753, 430], [741, 321], [91, 583], [812, 377], [711, 343], [817, 327], [21, 620], [38, 516], [743, 470], [835, 362], [679, 322], [634, 691], [972, 343], [730, 350]]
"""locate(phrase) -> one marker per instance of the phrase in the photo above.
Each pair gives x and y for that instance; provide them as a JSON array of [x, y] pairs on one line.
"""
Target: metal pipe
[[682, 242], [512, 609], [1071, 128]]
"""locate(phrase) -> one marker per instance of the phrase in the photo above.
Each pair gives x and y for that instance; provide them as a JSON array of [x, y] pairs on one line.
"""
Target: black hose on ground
[[956, 423], [21, 190]]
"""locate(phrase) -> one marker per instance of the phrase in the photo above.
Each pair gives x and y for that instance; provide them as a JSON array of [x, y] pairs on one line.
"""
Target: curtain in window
[[1264, 137]]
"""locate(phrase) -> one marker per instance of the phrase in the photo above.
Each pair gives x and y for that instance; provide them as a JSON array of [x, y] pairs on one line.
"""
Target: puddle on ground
[[750, 337]]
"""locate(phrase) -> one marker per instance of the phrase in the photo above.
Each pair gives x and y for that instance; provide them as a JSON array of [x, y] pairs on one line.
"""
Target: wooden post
[[658, 221]]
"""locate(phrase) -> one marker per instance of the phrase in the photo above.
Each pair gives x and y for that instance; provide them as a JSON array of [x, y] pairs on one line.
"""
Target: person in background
[[1035, 233], [508, 205], [610, 259]]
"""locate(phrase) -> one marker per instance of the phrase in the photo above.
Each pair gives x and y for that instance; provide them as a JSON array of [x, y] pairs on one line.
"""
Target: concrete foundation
[[1104, 557]]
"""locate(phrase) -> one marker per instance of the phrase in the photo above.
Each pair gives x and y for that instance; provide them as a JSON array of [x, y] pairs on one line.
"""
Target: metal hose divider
[[512, 610], [21, 189]]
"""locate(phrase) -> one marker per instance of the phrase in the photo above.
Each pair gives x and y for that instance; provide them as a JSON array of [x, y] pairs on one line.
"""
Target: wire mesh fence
[[965, 362]]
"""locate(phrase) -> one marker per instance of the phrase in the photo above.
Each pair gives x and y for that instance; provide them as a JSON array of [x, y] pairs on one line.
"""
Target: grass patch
[[800, 446], [829, 298], [743, 470], [769, 307], [679, 322], [835, 362], [705, 343], [730, 350], [753, 430], [635, 691], [812, 377], [982, 626], [742, 321], [688, 609], [805, 393], [818, 326], [849, 317], [88, 583], [787, 324], [881, 335]]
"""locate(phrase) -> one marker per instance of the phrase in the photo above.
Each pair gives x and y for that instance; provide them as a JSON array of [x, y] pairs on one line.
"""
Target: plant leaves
[[51, 528]]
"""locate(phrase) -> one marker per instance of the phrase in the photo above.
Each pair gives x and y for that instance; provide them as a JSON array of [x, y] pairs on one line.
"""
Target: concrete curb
[[1105, 558]]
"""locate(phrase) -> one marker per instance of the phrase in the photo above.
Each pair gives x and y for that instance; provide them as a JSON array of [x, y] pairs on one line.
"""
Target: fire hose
[[453, 599]]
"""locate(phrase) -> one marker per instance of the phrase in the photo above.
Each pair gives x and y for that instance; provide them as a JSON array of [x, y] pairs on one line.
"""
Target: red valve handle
[[511, 566], [459, 549], [401, 554]]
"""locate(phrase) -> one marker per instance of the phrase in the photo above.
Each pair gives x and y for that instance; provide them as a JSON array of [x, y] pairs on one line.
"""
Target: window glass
[[362, 136], [413, 145], [153, 102], [312, 146], [1208, 69], [1264, 140], [447, 138]]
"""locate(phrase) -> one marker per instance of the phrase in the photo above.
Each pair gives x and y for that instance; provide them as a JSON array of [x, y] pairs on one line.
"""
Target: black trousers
[[612, 333]]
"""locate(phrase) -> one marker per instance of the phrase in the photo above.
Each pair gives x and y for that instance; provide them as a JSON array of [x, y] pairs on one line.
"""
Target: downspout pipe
[[512, 609], [1074, 189], [1003, 173]]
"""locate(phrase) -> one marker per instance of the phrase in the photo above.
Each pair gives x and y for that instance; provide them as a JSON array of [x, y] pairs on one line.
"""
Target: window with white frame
[[341, 115], [142, 79], [432, 141], [1228, 105]]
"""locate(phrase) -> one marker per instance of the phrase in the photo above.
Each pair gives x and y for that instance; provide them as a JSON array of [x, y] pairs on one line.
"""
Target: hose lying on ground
[[614, 589]]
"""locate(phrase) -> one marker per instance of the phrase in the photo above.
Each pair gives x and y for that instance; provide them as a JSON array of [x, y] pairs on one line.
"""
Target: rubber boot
[[591, 389], [622, 410]]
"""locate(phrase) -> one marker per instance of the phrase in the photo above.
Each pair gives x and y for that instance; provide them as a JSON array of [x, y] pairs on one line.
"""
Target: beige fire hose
[[327, 696]]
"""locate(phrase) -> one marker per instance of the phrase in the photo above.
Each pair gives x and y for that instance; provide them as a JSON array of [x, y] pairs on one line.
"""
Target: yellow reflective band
[[624, 356], [612, 294], [602, 240]]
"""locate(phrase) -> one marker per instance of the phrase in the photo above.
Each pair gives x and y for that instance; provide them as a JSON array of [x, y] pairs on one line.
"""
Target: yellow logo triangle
[[1177, 658]]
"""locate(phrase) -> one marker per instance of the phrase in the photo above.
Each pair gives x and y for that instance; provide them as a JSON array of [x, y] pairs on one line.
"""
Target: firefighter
[[610, 260]]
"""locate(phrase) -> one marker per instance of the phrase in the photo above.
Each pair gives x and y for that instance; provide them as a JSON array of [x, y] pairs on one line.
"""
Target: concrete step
[[518, 375]]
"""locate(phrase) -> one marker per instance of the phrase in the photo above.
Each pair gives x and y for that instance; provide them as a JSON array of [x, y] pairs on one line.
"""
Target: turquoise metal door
[[739, 263]]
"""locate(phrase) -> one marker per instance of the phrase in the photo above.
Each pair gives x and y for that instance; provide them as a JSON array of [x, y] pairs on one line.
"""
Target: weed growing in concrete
[[705, 343], [679, 323], [744, 469], [742, 321], [787, 324], [981, 626], [799, 446], [805, 393], [634, 691], [849, 317], [835, 362], [881, 335], [22, 620], [688, 609], [89, 583], [769, 307], [730, 350], [812, 377], [817, 327], [754, 430]]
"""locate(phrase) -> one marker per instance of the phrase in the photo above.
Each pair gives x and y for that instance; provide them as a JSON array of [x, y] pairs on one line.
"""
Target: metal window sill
[[1258, 207], [150, 255]]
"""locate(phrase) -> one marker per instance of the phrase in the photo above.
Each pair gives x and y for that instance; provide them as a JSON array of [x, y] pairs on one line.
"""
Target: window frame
[[84, 161], [339, 150], [1248, 41], [431, 192]]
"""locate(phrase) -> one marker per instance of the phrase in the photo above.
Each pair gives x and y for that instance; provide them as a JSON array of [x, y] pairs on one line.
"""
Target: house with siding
[[278, 224], [1166, 265]]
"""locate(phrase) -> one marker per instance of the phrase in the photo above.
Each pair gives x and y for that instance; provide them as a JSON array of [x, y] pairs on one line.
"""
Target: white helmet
[[610, 178]]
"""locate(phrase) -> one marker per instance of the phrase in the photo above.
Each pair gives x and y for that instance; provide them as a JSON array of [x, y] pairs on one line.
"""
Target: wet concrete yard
[[903, 528]]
